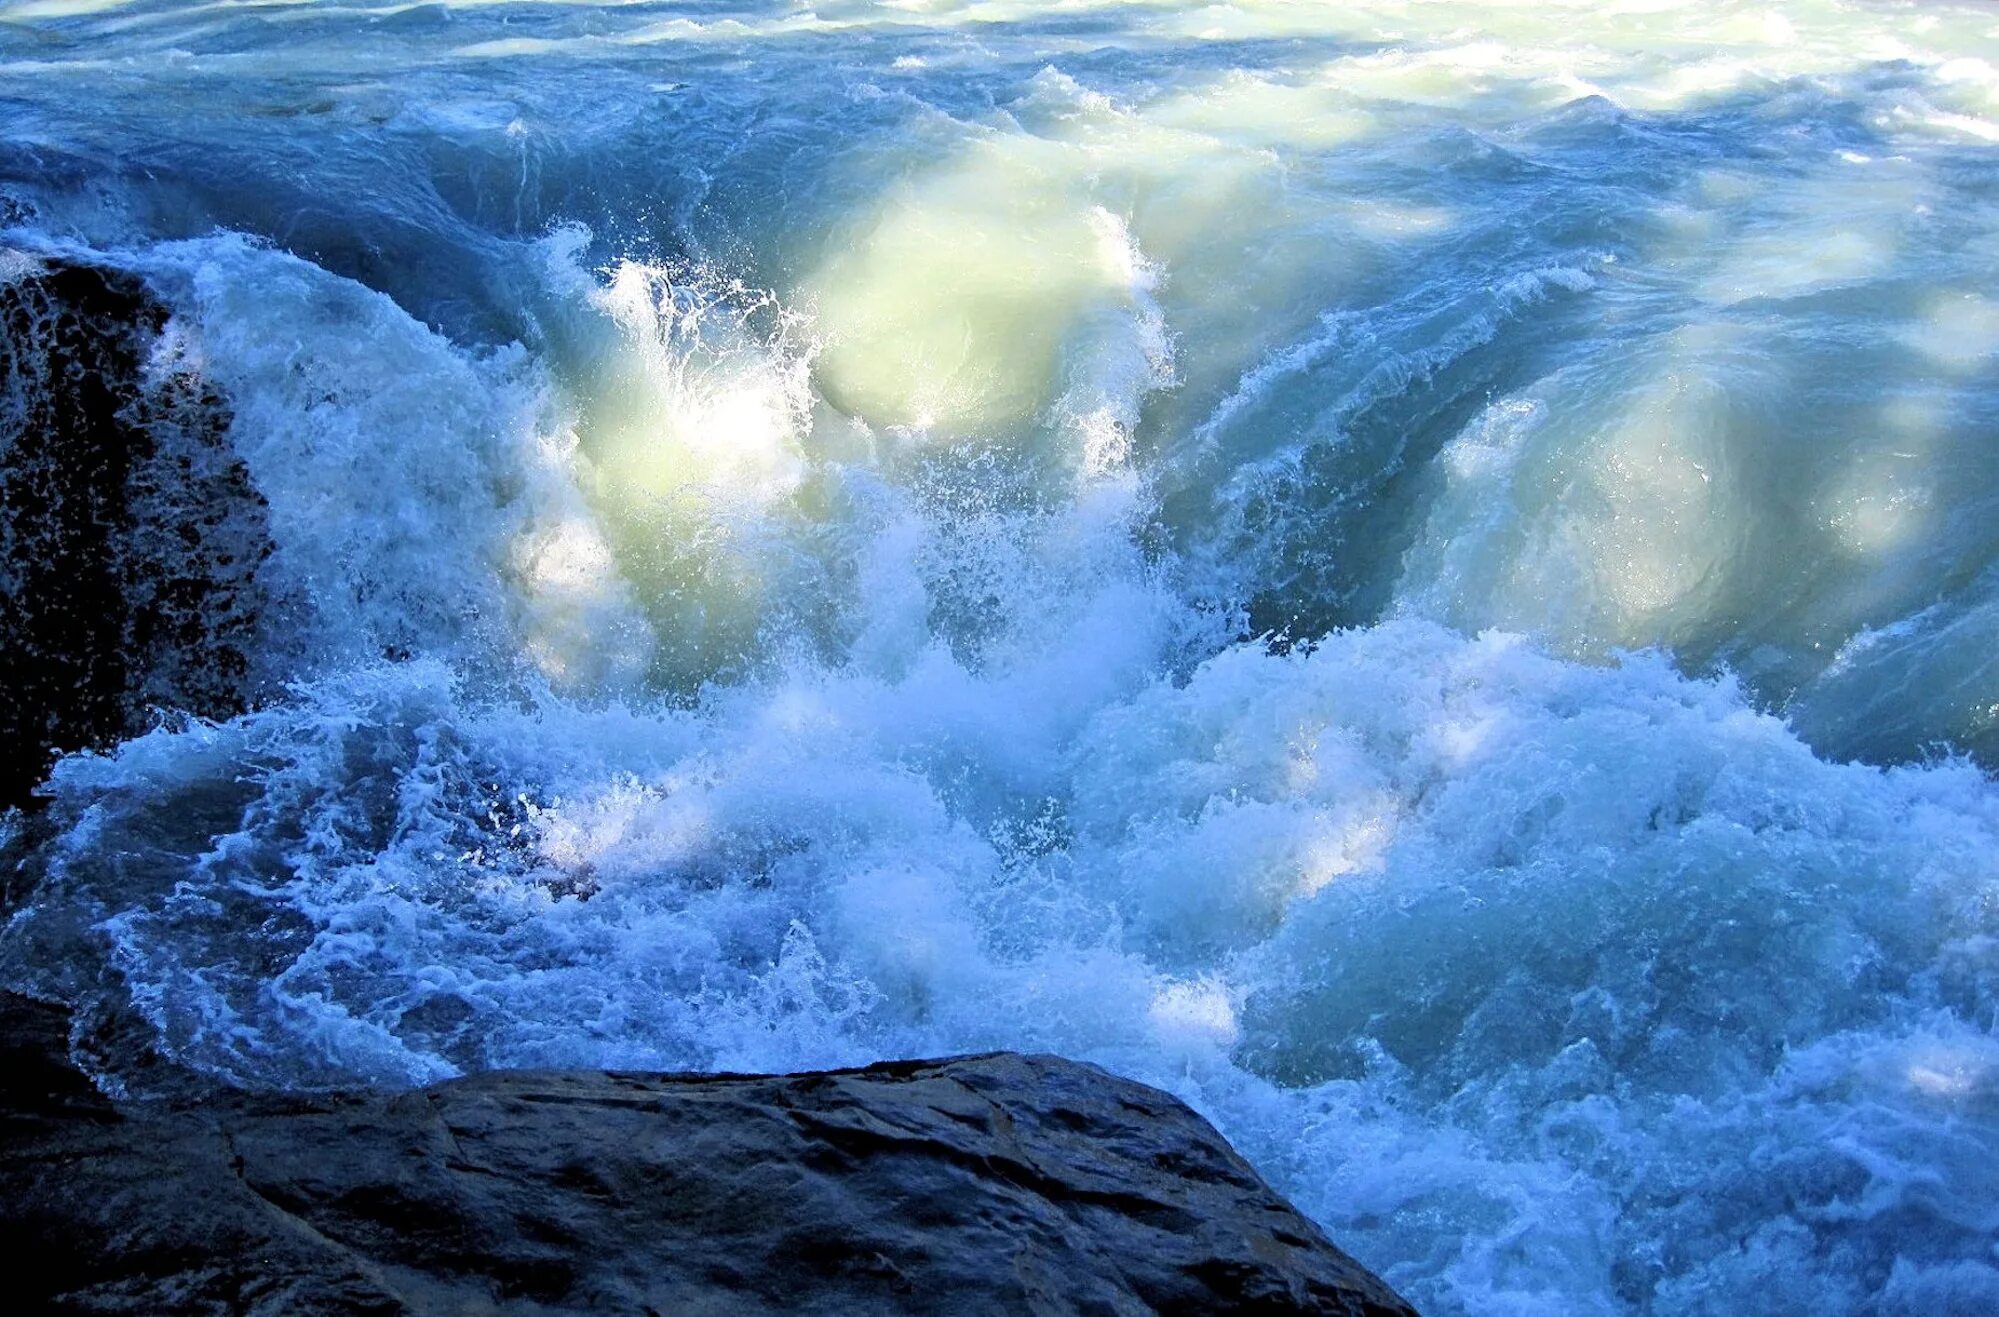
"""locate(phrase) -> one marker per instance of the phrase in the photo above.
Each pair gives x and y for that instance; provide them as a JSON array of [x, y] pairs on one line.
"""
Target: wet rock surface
[[130, 535], [997, 1183]]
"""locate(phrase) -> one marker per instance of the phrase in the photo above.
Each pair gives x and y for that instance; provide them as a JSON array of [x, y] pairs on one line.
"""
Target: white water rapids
[[1423, 576]]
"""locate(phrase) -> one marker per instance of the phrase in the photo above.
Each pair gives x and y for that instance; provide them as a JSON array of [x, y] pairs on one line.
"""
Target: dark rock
[[130, 536], [37, 1083], [997, 1183]]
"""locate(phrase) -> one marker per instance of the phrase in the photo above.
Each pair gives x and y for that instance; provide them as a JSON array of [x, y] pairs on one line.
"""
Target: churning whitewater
[[1425, 577]]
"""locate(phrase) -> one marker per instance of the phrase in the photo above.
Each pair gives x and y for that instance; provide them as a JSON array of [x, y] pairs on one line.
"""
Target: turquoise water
[[1422, 576]]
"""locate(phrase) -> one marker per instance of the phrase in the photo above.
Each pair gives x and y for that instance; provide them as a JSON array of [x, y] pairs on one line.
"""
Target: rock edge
[[978, 1184]]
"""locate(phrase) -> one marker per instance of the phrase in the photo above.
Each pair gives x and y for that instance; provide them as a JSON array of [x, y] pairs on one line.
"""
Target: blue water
[[1425, 577]]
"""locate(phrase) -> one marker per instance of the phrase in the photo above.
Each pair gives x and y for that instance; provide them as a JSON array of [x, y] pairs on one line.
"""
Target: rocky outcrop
[[985, 1184], [130, 536]]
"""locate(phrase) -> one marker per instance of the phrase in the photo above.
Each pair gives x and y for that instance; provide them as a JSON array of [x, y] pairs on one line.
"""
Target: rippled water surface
[[1425, 576]]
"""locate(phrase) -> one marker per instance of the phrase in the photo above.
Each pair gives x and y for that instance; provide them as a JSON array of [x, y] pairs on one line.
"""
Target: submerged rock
[[130, 535], [998, 1183]]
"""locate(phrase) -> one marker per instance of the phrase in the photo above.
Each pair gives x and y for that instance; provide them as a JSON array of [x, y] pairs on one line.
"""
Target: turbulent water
[[1424, 576]]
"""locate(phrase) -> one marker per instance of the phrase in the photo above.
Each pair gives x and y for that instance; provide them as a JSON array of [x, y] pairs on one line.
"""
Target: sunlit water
[[1424, 576]]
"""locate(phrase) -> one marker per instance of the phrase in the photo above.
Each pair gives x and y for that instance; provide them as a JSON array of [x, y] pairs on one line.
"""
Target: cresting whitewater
[[1424, 577]]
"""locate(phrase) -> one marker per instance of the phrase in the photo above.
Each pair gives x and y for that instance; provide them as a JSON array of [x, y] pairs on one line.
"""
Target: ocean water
[[1423, 576]]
